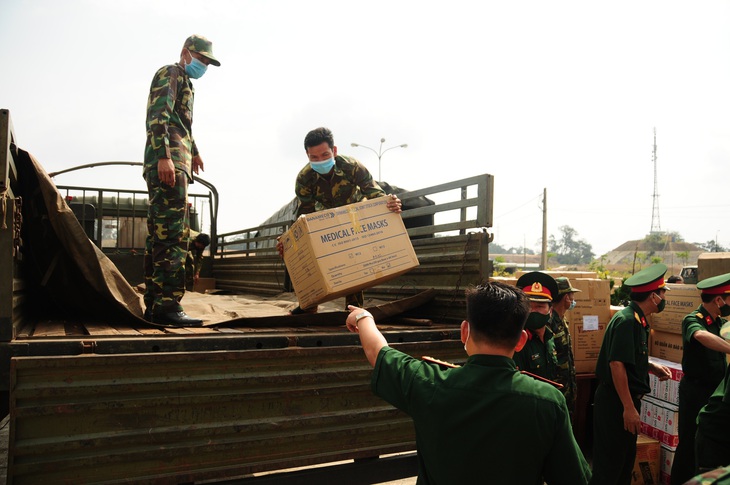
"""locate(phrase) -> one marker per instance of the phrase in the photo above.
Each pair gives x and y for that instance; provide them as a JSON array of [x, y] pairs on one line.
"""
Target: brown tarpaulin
[[69, 276]]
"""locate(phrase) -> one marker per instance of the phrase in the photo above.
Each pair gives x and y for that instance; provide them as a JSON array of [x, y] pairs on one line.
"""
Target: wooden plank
[[49, 328]]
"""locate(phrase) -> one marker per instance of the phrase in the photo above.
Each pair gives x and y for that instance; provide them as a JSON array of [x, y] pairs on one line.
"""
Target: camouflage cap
[[201, 45], [564, 286]]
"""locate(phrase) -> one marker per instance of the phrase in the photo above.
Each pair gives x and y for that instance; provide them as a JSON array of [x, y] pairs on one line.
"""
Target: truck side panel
[[176, 417]]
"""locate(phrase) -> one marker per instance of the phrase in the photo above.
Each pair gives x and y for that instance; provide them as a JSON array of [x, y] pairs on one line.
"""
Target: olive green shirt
[[626, 340], [538, 357], [350, 182], [713, 422], [698, 362], [484, 422]]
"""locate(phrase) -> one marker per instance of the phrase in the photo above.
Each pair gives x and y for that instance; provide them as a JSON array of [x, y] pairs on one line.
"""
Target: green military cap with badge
[[648, 279], [538, 286], [201, 45], [564, 286], [717, 285]]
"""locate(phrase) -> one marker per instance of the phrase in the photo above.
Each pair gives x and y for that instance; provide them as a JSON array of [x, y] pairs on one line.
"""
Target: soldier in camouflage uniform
[[718, 476], [561, 336], [194, 260], [331, 180], [170, 159]]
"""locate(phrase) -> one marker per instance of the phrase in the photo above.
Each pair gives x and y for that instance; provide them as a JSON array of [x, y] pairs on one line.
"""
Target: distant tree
[[711, 246], [656, 260], [495, 248], [520, 250], [683, 256], [674, 236], [655, 242], [568, 250]]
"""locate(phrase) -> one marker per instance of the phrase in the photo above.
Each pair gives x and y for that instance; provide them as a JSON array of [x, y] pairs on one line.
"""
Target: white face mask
[[468, 333]]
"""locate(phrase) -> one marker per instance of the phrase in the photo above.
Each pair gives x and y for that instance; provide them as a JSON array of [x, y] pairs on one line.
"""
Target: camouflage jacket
[[719, 476], [351, 182], [170, 120]]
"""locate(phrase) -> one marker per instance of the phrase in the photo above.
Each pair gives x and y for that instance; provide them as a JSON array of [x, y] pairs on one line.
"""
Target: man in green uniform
[[538, 355], [561, 336], [712, 446], [623, 373], [330, 180], [703, 363], [171, 158], [194, 258], [718, 476], [483, 422]]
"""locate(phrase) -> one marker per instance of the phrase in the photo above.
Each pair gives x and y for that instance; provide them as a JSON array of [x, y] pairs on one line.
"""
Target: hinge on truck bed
[[88, 346]]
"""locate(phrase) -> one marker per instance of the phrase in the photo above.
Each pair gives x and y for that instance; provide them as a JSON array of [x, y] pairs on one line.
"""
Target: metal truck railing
[[453, 251]]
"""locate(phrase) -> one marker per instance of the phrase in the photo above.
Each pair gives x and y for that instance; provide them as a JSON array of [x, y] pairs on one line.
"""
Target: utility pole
[[543, 258]]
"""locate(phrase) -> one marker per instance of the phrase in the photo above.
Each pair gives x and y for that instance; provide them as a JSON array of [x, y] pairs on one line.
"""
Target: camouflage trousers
[[165, 247]]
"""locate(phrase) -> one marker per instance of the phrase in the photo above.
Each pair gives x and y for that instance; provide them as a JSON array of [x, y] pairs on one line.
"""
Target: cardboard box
[[586, 345], [204, 284], [666, 459], [660, 420], [667, 391], [339, 251], [647, 463], [681, 300], [712, 264], [666, 345]]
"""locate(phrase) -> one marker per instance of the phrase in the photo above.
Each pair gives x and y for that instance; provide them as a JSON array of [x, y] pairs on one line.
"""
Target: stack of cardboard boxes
[[660, 415]]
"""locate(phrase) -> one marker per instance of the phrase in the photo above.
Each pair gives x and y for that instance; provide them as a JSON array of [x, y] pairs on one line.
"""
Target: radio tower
[[656, 227]]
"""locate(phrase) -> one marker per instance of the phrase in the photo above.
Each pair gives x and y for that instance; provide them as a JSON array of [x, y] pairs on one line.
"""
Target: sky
[[562, 96]]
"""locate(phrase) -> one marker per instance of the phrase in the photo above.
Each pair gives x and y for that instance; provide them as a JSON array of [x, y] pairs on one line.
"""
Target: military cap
[[538, 286], [564, 286], [201, 45], [648, 279], [717, 285]]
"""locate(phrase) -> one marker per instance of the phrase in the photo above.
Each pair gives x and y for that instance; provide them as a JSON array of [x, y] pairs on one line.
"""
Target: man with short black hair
[[483, 422], [330, 180]]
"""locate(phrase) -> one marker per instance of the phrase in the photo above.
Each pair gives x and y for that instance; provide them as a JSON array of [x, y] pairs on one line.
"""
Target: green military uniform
[[712, 447], [718, 476], [565, 362], [538, 356], [169, 135], [626, 340], [483, 422], [703, 370], [193, 261], [349, 182]]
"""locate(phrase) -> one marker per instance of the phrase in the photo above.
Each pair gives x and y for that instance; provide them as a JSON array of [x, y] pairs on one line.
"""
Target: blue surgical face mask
[[572, 305], [323, 167], [195, 69]]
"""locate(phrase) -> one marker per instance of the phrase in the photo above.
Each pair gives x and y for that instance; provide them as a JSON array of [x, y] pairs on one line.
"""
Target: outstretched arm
[[361, 321]]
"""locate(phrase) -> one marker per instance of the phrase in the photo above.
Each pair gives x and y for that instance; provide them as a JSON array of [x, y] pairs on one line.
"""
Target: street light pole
[[379, 153]]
